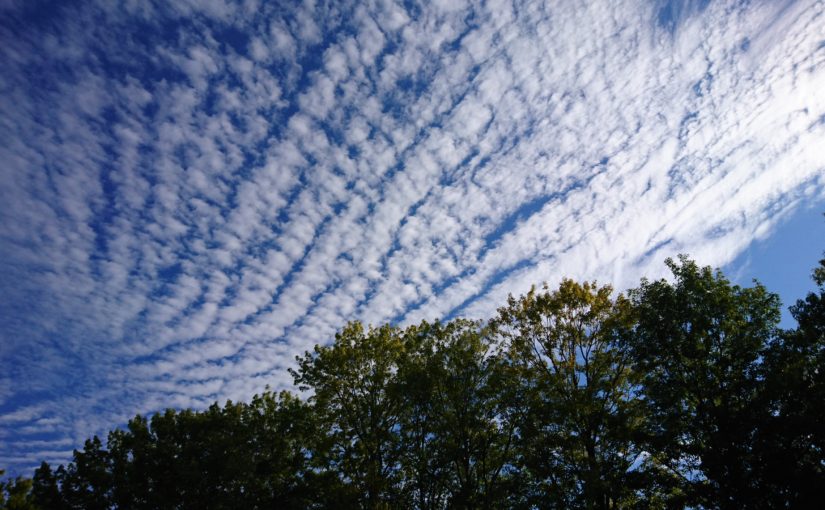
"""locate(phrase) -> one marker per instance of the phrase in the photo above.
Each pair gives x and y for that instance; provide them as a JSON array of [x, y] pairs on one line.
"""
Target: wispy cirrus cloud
[[192, 194]]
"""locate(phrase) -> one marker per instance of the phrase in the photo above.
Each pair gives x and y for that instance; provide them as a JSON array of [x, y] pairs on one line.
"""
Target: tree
[[698, 343], [577, 427], [283, 443], [424, 471], [86, 482], [791, 444], [353, 383], [457, 442], [45, 490], [15, 494], [252, 455]]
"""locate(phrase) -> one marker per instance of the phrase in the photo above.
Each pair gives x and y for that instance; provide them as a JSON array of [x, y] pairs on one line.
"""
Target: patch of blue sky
[[671, 13], [784, 261], [497, 279]]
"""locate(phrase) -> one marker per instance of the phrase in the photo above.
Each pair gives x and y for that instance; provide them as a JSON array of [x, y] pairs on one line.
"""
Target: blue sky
[[193, 192]]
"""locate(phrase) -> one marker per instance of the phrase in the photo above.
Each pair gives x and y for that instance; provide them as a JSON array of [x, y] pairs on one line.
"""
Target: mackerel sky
[[193, 192]]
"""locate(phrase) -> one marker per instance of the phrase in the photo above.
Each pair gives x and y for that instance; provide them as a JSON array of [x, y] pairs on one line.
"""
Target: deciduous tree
[[698, 342], [578, 424]]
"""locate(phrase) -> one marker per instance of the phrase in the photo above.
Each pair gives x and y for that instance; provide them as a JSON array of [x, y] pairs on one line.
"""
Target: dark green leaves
[[698, 342]]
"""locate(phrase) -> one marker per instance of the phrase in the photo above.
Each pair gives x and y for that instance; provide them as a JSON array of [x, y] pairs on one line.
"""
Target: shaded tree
[[86, 482], [254, 455], [457, 440], [45, 489], [791, 442], [698, 342], [353, 382]]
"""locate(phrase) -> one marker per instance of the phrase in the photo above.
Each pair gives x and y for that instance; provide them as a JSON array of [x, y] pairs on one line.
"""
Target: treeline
[[681, 393]]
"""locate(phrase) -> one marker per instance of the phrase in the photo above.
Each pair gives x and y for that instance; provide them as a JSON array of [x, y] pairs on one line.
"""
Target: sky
[[194, 192]]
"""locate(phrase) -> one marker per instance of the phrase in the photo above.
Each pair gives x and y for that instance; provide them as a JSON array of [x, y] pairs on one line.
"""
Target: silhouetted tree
[[45, 490], [697, 342], [791, 442]]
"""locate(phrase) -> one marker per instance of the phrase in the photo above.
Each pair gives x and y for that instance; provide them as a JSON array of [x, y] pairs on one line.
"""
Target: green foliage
[[578, 417], [698, 342], [791, 443], [253, 455], [410, 417], [682, 394], [353, 381], [457, 439], [15, 494]]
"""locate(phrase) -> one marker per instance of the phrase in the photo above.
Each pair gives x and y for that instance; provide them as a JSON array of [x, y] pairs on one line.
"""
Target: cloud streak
[[194, 194]]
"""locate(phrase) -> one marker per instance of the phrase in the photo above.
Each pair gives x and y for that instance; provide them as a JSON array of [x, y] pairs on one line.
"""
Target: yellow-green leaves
[[578, 424]]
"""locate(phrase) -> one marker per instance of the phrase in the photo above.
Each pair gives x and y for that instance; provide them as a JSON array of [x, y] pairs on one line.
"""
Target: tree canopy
[[681, 393]]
